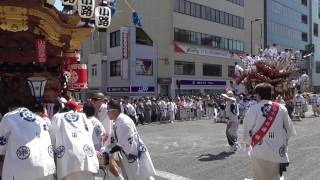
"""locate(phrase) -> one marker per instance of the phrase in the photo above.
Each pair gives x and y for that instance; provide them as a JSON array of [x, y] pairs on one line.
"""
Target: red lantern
[[71, 58], [79, 77]]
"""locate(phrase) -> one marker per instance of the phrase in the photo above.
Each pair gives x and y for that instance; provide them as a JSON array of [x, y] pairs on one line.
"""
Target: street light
[[251, 22]]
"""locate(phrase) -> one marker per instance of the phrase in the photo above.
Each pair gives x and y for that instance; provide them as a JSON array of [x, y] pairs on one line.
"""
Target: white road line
[[170, 176]]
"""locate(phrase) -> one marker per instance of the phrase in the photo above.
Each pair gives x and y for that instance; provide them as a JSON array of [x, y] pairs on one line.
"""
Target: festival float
[[39, 47], [280, 70]]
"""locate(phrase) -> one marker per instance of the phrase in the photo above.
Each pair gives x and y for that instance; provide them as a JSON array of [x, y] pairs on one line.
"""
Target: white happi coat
[[274, 145], [103, 117], [25, 142], [71, 135], [127, 137], [299, 102], [98, 133]]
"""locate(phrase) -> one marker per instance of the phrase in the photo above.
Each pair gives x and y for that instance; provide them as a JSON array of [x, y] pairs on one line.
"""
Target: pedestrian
[[26, 151], [71, 135], [267, 129], [135, 156], [313, 103], [231, 116], [299, 105], [101, 112], [172, 109]]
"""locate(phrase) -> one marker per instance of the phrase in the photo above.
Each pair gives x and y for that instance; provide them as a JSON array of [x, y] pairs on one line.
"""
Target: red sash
[[258, 136]]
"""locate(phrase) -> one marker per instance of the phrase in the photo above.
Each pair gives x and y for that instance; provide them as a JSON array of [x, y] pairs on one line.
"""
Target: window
[[144, 67], [115, 39], [315, 29], [184, 68], [304, 37], [317, 67], [203, 12], [304, 19], [304, 2], [176, 5], [197, 38], [212, 70], [238, 2], [188, 8], [210, 14], [230, 71], [143, 38], [94, 70], [115, 68]]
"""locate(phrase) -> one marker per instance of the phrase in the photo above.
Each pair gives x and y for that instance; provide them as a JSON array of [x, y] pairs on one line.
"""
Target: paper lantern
[[86, 8], [79, 77], [102, 17]]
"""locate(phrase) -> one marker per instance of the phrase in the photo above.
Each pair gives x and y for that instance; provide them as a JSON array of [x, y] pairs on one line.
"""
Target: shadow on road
[[212, 157]]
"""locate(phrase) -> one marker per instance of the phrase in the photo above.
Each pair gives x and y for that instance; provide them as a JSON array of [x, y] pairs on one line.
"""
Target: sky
[[58, 5]]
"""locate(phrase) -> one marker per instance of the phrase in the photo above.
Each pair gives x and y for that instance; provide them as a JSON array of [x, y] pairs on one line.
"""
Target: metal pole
[[251, 38]]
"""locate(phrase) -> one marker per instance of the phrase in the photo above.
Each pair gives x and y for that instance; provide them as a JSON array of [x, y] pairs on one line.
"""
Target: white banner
[[182, 48]]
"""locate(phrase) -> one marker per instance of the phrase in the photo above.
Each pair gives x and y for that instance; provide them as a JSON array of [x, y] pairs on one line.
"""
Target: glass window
[[144, 67], [212, 70], [304, 37], [198, 10], [304, 19], [193, 9], [203, 12], [234, 45], [234, 21], [222, 17], [226, 18], [115, 39], [304, 2], [231, 71], [208, 14], [238, 46], [176, 5], [315, 29], [94, 71], [182, 6], [230, 44], [184, 68], [115, 68], [188, 8], [317, 67], [226, 43], [217, 18]]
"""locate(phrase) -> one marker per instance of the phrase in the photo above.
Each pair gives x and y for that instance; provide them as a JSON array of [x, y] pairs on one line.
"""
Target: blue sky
[[58, 5]]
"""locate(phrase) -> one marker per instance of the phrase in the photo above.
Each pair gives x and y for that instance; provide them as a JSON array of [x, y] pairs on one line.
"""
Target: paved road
[[197, 150]]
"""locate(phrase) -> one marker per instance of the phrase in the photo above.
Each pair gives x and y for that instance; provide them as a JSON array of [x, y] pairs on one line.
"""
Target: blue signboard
[[203, 83], [142, 89]]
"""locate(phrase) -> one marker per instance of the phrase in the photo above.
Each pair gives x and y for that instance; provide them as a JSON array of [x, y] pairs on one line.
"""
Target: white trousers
[[265, 170], [82, 175]]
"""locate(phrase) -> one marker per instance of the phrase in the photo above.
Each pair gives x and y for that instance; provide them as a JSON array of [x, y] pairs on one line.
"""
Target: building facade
[[183, 47], [288, 25], [316, 42]]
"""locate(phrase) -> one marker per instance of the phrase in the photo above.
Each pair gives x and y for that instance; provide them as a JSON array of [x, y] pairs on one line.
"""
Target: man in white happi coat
[[135, 156], [172, 109], [163, 109], [269, 157], [232, 113], [304, 81], [25, 147], [238, 70], [71, 135], [98, 99], [299, 104], [313, 102]]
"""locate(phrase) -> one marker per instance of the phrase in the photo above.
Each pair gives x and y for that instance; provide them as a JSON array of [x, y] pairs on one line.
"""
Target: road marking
[[170, 176]]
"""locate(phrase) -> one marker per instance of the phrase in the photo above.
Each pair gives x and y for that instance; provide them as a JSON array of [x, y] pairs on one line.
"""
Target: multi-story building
[[315, 59], [288, 25], [183, 47]]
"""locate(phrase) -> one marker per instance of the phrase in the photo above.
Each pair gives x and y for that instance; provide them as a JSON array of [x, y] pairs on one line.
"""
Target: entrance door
[[164, 90]]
